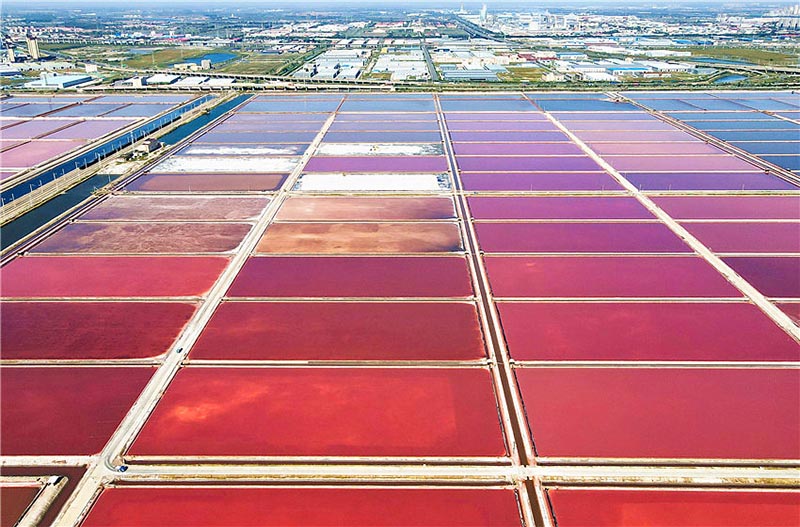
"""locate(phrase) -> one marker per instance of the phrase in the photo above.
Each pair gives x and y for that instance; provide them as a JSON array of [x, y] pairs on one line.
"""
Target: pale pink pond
[[35, 152], [91, 129], [35, 128], [527, 164], [516, 149], [377, 164]]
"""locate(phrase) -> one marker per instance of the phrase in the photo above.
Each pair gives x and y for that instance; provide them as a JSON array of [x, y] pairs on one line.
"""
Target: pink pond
[[110, 276], [707, 181], [603, 116], [87, 110], [748, 237], [792, 309], [543, 181], [314, 238], [243, 149], [517, 149], [557, 207], [635, 136], [277, 118], [527, 164], [139, 110], [35, 152], [777, 277], [65, 410], [643, 332], [495, 116], [501, 126], [622, 125], [144, 238], [153, 208], [383, 137], [34, 108], [606, 277], [333, 507], [655, 148], [663, 413], [342, 331], [731, 207], [91, 129], [500, 137], [90, 330], [15, 500], [390, 117], [365, 208], [678, 163], [206, 182], [383, 104], [673, 508], [259, 137], [338, 276], [35, 128], [378, 164], [325, 412], [299, 126], [5, 144], [147, 98], [578, 238], [488, 105], [384, 126]]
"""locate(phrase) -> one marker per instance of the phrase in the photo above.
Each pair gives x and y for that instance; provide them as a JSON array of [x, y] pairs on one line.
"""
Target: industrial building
[[33, 47], [53, 81], [403, 63], [345, 64], [615, 69]]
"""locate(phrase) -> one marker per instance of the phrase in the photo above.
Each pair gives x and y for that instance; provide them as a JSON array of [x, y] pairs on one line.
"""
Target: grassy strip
[[753, 55]]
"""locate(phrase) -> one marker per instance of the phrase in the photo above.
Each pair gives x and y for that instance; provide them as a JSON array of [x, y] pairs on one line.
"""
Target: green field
[[453, 32], [93, 52], [261, 64], [158, 58], [382, 76], [44, 46], [164, 57], [756, 56], [5, 81], [522, 74]]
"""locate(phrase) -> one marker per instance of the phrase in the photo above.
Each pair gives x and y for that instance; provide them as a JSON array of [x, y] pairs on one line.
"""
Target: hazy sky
[[215, 3]]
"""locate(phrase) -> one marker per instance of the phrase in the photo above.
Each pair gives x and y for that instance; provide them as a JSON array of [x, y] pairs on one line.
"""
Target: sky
[[75, 3]]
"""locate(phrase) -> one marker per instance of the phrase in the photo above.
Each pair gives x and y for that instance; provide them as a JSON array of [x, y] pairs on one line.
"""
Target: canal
[[16, 230]]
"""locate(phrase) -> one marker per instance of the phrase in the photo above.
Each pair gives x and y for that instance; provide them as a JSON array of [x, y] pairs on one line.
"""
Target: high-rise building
[[484, 13], [33, 47], [12, 58]]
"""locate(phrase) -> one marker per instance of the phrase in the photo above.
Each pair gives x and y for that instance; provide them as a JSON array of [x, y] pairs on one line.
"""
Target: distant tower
[[11, 57], [484, 13], [33, 47]]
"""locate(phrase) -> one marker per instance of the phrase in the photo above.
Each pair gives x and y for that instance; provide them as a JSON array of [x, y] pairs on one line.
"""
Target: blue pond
[[142, 51], [718, 61], [215, 58], [730, 79]]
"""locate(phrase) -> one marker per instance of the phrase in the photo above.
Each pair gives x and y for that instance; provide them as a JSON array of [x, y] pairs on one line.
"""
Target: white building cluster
[[403, 63], [613, 70], [342, 64]]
